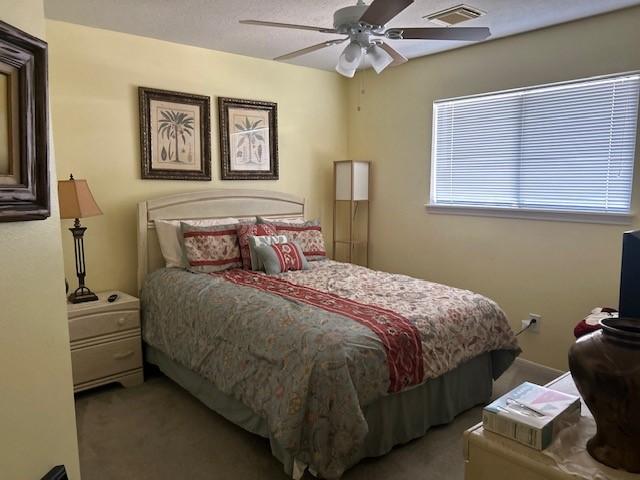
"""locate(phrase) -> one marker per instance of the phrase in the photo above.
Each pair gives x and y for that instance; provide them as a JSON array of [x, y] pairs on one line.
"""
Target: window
[[566, 147]]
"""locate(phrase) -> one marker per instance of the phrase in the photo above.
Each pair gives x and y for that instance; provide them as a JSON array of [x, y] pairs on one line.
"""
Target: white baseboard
[[530, 364]]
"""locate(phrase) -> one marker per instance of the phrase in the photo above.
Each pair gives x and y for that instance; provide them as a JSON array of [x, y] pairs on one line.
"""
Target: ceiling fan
[[364, 26]]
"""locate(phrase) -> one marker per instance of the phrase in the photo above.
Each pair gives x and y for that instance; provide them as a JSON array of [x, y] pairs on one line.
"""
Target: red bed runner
[[400, 337]]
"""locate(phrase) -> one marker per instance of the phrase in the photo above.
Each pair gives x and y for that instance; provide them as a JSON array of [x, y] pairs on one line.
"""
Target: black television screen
[[630, 276]]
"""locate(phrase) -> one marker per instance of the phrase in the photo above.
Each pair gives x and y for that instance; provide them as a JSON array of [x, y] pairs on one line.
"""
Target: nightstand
[[105, 342]]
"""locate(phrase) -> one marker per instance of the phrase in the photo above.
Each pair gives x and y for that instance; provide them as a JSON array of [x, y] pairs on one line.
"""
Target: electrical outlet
[[535, 328]]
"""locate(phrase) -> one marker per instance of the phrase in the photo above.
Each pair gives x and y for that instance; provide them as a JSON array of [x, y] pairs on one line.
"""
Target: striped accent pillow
[[246, 230], [256, 263], [289, 256], [281, 257], [307, 234], [211, 249]]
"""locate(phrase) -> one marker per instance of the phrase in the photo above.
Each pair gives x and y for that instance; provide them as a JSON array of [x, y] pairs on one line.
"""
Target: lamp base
[[82, 293], [81, 297]]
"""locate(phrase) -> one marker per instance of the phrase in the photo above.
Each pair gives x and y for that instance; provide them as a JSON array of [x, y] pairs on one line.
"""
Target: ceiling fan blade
[[288, 25], [312, 48], [448, 33], [381, 11], [398, 58]]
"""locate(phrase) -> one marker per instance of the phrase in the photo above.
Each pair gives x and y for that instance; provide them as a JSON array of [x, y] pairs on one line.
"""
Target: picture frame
[[248, 139], [24, 127], [175, 135]]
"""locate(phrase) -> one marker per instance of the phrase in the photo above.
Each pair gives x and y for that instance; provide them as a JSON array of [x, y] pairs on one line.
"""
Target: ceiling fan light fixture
[[347, 72], [351, 54], [350, 60], [379, 58], [359, 23]]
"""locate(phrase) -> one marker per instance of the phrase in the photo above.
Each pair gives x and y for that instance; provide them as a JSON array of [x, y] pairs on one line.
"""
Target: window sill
[[552, 215]]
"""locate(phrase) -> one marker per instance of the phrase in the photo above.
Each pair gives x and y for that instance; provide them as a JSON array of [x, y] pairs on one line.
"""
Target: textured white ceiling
[[214, 23]]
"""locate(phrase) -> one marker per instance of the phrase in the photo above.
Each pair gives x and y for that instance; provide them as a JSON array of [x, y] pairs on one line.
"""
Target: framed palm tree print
[[175, 135], [248, 139]]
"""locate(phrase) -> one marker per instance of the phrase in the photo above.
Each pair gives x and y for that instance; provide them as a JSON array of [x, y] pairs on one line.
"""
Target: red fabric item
[[400, 338], [583, 328]]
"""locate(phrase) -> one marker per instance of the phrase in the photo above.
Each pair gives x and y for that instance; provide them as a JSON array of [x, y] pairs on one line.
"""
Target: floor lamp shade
[[352, 180], [76, 201]]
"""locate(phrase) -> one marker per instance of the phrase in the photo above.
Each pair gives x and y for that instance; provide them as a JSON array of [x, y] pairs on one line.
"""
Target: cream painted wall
[[94, 79], [557, 269], [37, 419]]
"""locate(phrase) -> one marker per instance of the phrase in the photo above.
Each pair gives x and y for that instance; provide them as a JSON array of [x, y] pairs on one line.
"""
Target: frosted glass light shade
[[352, 54], [352, 180], [379, 58], [349, 60], [346, 72]]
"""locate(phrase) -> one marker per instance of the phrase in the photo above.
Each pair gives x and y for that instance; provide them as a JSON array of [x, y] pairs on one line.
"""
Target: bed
[[331, 364]]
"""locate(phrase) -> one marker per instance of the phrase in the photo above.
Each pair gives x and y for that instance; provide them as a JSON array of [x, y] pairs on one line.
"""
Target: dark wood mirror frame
[[28, 197]]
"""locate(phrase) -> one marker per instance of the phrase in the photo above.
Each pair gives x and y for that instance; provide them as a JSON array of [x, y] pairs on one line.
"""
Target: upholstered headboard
[[213, 203]]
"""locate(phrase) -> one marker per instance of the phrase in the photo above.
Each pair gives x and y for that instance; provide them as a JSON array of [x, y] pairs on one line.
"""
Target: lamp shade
[[76, 200], [379, 58], [352, 180], [349, 60]]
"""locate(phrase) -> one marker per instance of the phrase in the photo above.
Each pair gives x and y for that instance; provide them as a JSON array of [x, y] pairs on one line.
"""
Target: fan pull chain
[[361, 92]]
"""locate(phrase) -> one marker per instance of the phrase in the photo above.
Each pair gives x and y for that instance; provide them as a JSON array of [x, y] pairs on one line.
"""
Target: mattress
[[309, 352]]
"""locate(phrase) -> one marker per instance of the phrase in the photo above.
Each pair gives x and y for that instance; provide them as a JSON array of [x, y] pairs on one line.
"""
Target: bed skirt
[[393, 420]]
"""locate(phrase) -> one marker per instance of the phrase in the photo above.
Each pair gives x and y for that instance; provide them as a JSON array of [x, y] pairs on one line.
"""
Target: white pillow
[[290, 220], [293, 221], [169, 236]]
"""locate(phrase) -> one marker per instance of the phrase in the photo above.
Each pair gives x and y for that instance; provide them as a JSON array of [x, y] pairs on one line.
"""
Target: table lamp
[[76, 201]]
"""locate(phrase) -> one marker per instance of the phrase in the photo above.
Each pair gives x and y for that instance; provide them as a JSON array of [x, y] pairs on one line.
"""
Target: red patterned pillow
[[281, 257], [211, 249], [289, 257], [308, 235], [245, 231]]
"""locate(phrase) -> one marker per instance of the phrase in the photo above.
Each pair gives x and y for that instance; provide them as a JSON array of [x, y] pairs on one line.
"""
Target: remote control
[[112, 298]]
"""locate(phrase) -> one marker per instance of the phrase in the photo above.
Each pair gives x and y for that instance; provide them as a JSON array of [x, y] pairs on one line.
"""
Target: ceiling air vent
[[454, 15]]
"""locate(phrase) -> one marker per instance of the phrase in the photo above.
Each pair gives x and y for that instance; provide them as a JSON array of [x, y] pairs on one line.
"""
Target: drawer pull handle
[[120, 356], [121, 321]]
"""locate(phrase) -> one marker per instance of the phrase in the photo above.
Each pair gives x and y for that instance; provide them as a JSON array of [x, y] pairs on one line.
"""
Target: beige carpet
[[159, 431]]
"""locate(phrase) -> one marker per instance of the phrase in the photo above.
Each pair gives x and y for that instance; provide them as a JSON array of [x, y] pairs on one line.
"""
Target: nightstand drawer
[[106, 359], [93, 325]]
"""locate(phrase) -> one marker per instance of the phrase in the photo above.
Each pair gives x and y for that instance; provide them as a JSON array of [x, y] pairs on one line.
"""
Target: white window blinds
[[568, 147]]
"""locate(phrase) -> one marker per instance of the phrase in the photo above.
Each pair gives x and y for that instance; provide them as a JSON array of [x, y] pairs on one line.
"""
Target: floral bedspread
[[307, 370], [455, 325]]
